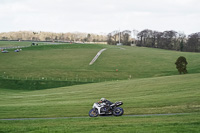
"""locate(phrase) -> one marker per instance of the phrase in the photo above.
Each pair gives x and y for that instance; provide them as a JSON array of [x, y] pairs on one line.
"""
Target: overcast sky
[[98, 16]]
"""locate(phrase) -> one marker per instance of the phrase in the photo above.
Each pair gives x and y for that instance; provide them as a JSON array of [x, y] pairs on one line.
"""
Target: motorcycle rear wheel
[[93, 113]]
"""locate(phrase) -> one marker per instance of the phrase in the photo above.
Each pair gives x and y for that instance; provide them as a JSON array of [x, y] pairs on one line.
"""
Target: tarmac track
[[52, 118]]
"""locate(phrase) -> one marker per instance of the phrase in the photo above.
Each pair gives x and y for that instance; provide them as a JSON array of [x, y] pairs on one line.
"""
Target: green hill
[[171, 94], [71, 62], [14, 43], [36, 82]]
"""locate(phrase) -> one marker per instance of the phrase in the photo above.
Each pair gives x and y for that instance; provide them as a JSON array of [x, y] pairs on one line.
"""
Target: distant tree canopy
[[123, 37], [49, 36], [181, 64], [193, 43], [171, 40], [165, 40]]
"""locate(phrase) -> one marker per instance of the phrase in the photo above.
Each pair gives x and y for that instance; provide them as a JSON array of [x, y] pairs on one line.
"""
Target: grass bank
[[151, 124], [172, 94], [37, 84]]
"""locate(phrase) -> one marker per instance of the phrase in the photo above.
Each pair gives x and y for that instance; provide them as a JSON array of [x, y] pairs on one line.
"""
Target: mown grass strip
[[151, 124]]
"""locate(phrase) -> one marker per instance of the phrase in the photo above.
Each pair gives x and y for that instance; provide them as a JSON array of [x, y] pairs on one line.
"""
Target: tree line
[[117, 37], [54, 37], [171, 40]]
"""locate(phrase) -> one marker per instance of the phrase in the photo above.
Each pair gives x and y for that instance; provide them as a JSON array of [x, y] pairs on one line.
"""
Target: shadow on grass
[[35, 84]]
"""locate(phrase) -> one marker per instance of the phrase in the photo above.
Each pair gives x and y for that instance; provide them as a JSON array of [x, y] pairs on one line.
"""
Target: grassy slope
[[19, 43], [165, 124], [48, 61], [71, 62], [14, 43], [142, 96]]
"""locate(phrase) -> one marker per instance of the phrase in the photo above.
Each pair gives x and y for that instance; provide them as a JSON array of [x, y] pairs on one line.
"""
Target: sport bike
[[102, 109]]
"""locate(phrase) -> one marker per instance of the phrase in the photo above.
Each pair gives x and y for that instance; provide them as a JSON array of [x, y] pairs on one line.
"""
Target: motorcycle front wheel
[[93, 113], [118, 111]]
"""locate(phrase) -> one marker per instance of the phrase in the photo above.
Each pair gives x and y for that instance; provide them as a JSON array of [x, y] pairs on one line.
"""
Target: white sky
[[98, 16]]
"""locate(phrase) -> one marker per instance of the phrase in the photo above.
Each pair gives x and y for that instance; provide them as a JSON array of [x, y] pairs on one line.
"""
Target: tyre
[[118, 111], [93, 113]]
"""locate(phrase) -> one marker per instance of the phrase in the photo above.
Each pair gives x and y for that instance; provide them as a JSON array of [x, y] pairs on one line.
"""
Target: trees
[[182, 40], [49, 36], [109, 40], [145, 38], [171, 40], [193, 43], [113, 37], [123, 37]]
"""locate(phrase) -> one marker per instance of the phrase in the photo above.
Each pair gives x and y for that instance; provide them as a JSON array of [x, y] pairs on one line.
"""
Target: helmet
[[103, 99]]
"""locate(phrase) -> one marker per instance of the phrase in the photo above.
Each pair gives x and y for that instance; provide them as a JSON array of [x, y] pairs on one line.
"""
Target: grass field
[[157, 124], [20, 43], [173, 94], [14, 43], [72, 62], [154, 87]]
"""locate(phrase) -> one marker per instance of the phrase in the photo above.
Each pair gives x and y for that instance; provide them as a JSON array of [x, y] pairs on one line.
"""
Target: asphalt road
[[144, 115]]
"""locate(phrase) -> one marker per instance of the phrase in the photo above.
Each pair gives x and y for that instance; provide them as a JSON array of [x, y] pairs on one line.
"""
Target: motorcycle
[[101, 109]]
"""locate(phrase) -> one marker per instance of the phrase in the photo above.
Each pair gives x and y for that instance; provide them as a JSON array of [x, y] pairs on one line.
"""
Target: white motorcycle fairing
[[100, 107]]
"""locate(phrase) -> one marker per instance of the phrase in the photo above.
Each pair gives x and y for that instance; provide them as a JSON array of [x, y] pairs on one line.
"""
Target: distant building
[[119, 44]]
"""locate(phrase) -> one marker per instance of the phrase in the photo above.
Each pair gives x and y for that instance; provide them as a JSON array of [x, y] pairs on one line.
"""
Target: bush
[[181, 64]]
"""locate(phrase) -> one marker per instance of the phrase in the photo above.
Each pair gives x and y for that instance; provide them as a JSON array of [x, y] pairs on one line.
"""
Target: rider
[[107, 103]]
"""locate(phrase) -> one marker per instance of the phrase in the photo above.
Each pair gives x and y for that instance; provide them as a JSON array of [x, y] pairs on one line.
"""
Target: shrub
[[181, 64]]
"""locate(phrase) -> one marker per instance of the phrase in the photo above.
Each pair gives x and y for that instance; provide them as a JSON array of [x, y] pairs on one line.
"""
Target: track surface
[[14, 119], [97, 56]]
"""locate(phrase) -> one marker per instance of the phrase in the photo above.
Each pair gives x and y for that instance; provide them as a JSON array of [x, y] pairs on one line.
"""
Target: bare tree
[[126, 34], [145, 38], [113, 37], [193, 43], [169, 40]]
